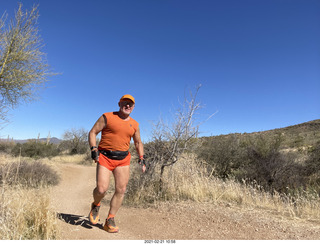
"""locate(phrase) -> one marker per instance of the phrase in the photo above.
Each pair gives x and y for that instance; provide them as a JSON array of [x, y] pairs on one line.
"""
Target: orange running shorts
[[111, 164]]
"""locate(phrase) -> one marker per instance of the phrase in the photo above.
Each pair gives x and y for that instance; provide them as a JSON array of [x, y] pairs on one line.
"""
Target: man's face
[[126, 106]]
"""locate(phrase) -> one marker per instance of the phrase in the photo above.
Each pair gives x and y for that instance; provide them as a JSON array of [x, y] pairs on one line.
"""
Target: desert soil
[[71, 200]]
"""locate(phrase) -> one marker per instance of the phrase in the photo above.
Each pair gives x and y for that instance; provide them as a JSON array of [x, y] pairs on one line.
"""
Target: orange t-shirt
[[116, 136]]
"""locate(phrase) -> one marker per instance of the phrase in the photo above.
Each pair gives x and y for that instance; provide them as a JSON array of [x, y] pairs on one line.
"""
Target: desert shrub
[[6, 147], [35, 149], [312, 168], [260, 158], [313, 161], [273, 169], [28, 174], [224, 155]]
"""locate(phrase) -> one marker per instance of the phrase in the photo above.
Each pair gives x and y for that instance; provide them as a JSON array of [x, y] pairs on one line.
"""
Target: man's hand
[[95, 154], [145, 165]]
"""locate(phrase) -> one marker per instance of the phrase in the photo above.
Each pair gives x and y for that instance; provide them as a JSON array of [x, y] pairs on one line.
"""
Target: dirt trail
[[71, 200]]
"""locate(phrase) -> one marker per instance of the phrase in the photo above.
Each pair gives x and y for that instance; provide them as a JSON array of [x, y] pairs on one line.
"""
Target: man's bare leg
[[103, 179], [121, 178]]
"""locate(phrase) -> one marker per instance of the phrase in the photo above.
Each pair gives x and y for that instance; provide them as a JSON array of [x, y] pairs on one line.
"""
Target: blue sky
[[258, 62]]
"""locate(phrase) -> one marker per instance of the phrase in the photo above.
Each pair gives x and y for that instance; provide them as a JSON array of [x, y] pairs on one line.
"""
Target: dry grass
[[28, 174], [65, 159], [188, 180], [25, 212]]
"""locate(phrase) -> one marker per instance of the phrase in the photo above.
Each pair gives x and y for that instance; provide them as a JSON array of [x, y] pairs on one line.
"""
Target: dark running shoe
[[94, 214], [110, 226]]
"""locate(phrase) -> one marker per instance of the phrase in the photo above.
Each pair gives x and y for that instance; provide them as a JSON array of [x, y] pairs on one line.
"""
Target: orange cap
[[128, 97]]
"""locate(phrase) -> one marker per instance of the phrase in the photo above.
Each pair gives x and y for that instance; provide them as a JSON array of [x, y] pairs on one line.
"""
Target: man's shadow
[[73, 219]]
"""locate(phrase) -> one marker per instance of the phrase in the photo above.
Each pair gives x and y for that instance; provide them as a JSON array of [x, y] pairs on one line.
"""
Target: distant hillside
[[304, 134], [311, 126], [53, 140]]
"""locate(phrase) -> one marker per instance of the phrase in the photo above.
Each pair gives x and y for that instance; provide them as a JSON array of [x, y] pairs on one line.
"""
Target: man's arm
[[139, 147], [98, 126], [138, 143]]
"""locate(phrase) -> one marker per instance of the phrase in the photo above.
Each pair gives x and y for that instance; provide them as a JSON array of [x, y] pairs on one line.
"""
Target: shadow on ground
[[73, 219]]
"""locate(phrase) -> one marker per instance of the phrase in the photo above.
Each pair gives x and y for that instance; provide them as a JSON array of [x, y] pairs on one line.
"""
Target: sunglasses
[[125, 103]]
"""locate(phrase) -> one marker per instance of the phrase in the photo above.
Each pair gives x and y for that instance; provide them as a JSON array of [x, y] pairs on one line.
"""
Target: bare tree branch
[[171, 140]]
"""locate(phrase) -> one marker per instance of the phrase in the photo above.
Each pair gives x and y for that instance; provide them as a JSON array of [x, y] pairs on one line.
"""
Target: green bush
[[312, 168], [264, 159], [6, 147], [35, 149], [224, 154], [271, 168]]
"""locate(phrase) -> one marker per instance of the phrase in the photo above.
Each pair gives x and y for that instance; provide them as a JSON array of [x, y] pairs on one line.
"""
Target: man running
[[113, 157]]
